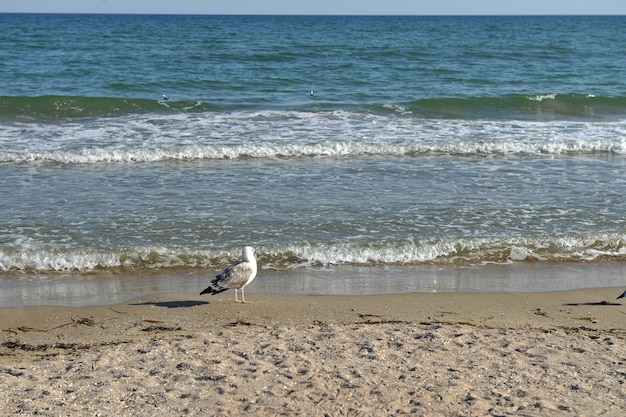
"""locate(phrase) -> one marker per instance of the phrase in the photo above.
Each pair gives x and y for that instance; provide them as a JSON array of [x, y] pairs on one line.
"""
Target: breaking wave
[[296, 134], [587, 248]]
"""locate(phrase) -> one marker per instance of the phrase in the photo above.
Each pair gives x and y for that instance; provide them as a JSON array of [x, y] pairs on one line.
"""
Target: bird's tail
[[212, 290]]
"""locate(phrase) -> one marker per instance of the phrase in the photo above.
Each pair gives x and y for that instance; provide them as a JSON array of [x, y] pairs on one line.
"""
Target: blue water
[[429, 141]]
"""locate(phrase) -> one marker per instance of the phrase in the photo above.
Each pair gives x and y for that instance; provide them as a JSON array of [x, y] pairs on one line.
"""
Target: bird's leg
[[243, 298], [236, 299]]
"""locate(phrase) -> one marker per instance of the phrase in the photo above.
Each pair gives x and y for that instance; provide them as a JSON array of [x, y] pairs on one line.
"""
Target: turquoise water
[[429, 141], [467, 67]]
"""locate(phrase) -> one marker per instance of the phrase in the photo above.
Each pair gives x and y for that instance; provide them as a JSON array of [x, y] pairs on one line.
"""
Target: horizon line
[[326, 15]]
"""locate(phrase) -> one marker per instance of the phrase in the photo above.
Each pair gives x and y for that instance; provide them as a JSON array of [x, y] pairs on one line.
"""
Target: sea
[[357, 154]]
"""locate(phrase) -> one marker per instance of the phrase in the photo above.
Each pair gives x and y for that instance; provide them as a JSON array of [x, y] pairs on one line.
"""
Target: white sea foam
[[542, 97], [295, 135], [589, 247]]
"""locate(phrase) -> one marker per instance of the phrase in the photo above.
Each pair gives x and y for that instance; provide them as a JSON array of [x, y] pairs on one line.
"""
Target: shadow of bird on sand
[[173, 304], [593, 303]]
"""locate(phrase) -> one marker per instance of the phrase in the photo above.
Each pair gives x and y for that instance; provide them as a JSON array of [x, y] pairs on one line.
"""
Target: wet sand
[[452, 354], [18, 288]]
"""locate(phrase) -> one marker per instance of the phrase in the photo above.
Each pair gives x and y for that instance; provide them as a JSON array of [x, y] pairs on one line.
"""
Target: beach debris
[[161, 328], [85, 321], [15, 345], [24, 329], [376, 319], [588, 318], [367, 316], [539, 312], [238, 322]]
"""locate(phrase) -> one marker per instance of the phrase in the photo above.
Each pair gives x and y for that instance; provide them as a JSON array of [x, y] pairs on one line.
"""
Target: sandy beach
[[452, 354], [439, 230]]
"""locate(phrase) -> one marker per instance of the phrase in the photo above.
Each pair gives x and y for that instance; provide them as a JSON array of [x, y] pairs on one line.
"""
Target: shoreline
[[557, 353], [77, 289]]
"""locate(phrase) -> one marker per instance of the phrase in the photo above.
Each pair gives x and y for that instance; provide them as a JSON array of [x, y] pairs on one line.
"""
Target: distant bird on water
[[622, 296], [312, 93], [236, 276], [165, 98]]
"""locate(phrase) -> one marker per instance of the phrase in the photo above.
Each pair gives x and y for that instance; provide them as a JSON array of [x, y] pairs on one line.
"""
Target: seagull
[[235, 276], [312, 93], [165, 97], [622, 296]]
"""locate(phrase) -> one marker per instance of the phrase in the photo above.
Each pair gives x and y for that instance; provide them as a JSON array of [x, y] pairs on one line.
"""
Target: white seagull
[[622, 296], [235, 276]]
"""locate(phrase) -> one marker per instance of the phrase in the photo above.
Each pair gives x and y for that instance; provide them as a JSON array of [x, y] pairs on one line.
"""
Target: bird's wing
[[235, 276]]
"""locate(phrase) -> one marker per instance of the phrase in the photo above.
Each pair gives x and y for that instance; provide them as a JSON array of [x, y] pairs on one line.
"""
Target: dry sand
[[471, 354]]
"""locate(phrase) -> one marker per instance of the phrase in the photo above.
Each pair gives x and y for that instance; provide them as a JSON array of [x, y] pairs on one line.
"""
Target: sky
[[324, 7]]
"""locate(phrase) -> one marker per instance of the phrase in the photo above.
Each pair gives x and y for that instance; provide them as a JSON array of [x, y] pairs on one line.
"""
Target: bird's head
[[247, 253]]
